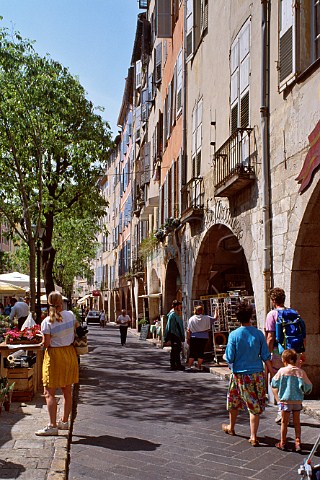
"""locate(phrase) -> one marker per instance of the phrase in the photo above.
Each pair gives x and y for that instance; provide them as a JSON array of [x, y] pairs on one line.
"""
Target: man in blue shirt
[[174, 333]]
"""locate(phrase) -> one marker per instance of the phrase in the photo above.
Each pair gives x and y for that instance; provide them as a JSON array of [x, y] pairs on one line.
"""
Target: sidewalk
[[25, 456]]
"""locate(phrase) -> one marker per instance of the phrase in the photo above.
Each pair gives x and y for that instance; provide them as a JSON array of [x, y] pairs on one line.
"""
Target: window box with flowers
[[171, 224]]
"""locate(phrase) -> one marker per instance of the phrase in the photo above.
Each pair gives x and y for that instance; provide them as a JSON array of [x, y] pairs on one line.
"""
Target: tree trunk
[[48, 255], [32, 266]]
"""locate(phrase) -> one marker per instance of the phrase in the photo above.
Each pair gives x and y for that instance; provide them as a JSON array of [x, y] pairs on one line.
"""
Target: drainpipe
[[266, 195]]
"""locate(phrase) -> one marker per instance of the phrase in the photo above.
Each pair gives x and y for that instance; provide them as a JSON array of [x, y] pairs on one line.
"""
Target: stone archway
[[305, 285], [172, 285], [221, 264]]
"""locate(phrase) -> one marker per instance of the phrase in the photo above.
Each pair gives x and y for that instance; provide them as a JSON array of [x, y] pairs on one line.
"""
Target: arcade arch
[[221, 264], [172, 286], [305, 285]]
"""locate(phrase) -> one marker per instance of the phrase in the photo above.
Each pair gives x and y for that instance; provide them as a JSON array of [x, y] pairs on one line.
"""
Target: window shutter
[[158, 66], [138, 123], [147, 162], [174, 96], [144, 105], [190, 29], [204, 16], [138, 74], [244, 111], [179, 83], [165, 122], [164, 19], [169, 111], [234, 118], [172, 212], [150, 88], [199, 125], [286, 43], [165, 198], [180, 183]]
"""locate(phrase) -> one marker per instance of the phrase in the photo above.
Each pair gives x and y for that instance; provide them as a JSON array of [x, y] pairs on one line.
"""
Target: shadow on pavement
[[127, 444], [137, 378]]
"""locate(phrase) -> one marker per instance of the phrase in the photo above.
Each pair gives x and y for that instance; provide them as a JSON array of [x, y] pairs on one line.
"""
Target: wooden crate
[[21, 384], [23, 389], [22, 396], [20, 373]]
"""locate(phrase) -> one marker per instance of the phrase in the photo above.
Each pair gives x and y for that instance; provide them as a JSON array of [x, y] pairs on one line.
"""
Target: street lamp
[[38, 305]]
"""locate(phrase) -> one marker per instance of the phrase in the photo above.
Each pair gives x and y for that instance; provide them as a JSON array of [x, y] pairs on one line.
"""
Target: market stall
[[26, 374], [226, 305]]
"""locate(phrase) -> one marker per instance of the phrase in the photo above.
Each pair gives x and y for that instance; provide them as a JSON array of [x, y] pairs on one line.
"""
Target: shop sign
[[222, 214], [207, 297]]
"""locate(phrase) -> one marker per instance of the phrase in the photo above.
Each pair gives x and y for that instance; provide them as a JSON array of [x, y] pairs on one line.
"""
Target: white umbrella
[[8, 289], [18, 279]]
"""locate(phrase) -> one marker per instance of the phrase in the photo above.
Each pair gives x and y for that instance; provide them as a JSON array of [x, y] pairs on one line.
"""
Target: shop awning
[[83, 300], [151, 295]]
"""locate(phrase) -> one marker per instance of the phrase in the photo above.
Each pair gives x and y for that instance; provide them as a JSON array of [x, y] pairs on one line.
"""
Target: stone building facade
[[225, 157]]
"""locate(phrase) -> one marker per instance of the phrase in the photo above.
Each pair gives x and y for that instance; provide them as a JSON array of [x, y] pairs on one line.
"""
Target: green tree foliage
[[52, 148], [76, 244]]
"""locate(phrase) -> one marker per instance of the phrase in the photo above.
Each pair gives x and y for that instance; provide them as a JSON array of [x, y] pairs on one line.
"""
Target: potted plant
[[5, 393], [160, 234]]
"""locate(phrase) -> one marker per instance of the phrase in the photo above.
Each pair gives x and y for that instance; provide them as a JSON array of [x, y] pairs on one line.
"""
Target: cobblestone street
[[137, 419]]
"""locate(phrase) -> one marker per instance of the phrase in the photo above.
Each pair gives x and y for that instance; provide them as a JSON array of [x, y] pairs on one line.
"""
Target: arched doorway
[[305, 285], [172, 285], [221, 265]]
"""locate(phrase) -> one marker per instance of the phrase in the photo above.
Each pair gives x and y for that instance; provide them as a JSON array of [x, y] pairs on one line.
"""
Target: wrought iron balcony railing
[[233, 163], [193, 200]]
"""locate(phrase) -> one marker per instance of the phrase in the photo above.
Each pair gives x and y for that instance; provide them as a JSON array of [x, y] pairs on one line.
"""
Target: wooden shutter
[[147, 162], [138, 74], [244, 111], [158, 63], [169, 111], [286, 43], [204, 17], [179, 83], [164, 18], [144, 105]]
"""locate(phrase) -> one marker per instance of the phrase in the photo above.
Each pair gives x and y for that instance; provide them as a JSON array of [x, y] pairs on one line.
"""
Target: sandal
[[226, 428], [254, 443], [281, 446], [297, 447]]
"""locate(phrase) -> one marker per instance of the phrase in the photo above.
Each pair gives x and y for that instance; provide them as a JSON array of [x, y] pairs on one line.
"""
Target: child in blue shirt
[[289, 386]]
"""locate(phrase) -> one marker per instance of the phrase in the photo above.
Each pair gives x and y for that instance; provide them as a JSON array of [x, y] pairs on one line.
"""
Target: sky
[[93, 38]]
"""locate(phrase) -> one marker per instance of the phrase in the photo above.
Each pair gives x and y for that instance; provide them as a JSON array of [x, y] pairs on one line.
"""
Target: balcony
[[233, 164], [193, 195], [137, 267]]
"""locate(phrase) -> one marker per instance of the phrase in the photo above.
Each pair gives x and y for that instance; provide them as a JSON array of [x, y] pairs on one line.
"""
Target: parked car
[[93, 317]]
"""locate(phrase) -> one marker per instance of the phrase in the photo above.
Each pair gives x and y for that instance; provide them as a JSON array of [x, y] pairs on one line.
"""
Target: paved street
[[137, 419]]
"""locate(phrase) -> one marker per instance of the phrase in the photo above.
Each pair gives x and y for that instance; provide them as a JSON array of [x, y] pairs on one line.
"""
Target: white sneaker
[[63, 425], [47, 431], [278, 419]]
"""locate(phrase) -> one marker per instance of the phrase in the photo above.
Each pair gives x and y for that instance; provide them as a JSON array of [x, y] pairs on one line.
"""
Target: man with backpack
[[284, 329]]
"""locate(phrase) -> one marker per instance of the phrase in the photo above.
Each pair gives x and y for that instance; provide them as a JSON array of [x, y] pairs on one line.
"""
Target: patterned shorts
[[247, 390]]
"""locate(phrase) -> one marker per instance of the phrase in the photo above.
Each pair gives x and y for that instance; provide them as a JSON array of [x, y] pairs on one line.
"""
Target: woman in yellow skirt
[[60, 364]]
